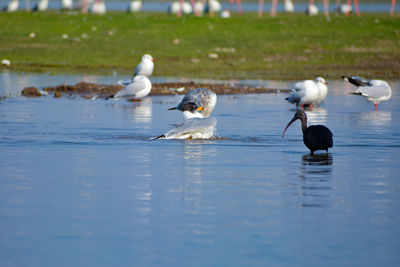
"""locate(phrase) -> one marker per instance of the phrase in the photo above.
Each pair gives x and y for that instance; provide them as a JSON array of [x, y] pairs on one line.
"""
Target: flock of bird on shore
[[197, 8], [198, 104]]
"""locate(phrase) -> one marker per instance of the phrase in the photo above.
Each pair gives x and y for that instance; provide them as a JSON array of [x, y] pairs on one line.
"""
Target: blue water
[[81, 184], [246, 7]]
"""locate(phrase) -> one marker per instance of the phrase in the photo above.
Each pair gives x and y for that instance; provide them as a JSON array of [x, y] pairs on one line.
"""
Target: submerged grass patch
[[284, 47]]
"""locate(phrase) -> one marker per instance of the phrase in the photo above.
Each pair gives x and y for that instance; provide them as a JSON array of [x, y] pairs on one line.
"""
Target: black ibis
[[315, 137]]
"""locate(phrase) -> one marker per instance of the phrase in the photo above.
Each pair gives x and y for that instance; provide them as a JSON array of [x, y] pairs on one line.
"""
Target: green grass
[[284, 47]]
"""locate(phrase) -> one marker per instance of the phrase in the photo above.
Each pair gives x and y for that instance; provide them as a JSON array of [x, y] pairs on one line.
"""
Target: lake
[[82, 184]]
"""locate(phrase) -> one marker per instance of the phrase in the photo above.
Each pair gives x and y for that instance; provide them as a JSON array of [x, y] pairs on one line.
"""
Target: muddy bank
[[90, 90]]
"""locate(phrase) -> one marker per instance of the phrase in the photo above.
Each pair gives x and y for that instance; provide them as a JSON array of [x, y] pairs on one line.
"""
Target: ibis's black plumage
[[315, 137]]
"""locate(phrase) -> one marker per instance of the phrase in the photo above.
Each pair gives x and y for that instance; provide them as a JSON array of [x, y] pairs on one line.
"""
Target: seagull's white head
[[321, 80], [147, 57]]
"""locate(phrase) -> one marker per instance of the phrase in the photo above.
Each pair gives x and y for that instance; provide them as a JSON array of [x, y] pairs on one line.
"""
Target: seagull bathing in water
[[202, 97], [374, 91], [194, 127]]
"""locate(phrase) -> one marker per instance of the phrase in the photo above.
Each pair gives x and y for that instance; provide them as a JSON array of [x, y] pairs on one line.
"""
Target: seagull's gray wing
[[376, 90], [192, 126], [131, 89]]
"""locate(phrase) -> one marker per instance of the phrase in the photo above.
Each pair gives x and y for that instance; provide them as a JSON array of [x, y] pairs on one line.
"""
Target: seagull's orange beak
[[200, 108]]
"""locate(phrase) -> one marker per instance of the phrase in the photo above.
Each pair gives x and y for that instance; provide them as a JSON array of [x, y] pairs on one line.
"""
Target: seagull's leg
[[349, 4], [326, 7], [273, 7], [392, 7], [302, 106], [239, 6], [195, 11], [356, 6], [261, 7], [376, 106], [180, 8]]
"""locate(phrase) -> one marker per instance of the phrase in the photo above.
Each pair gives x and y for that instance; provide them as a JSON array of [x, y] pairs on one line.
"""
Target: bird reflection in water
[[196, 155], [375, 118], [143, 112], [317, 116], [315, 180]]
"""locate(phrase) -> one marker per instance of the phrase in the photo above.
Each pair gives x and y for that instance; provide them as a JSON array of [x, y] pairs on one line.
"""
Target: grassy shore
[[284, 47]]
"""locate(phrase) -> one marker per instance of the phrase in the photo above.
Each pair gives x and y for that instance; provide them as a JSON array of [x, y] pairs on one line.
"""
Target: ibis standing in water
[[315, 137]]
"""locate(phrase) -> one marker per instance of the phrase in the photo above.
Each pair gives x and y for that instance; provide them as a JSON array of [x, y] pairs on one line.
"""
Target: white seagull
[[67, 4], [312, 10], [12, 6], [145, 67], [194, 127], [202, 97], [134, 6], [99, 7], [42, 5], [374, 91], [308, 92], [137, 88]]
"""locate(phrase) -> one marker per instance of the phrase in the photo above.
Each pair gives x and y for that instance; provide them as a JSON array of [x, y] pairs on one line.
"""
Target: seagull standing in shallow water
[[138, 88], [374, 91], [308, 92]]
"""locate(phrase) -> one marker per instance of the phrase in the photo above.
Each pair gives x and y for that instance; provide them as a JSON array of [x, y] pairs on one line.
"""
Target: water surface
[[82, 185]]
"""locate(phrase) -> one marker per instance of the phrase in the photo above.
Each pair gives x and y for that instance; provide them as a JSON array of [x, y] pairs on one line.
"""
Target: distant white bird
[[145, 67], [307, 92], [345, 9], [194, 127], [212, 6], [225, 14], [175, 8], [67, 4], [6, 62], [137, 88], [202, 97], [134, 6], [374, 91], [187, 8], [12, 6], [42, 5], [288, 6], [312, 10], [199, 6], [98, 7]]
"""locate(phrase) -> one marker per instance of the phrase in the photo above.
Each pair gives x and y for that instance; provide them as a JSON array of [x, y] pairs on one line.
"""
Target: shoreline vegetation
[[286, 47]]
